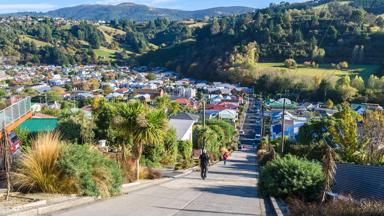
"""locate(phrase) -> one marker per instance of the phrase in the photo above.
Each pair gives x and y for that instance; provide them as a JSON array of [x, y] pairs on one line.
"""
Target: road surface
[[228, 190]]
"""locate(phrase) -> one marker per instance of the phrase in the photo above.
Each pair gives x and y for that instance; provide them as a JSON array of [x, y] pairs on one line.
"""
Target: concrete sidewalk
[[228, 190]]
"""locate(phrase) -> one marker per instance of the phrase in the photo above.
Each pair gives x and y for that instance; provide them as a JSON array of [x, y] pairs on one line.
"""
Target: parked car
[[15, 143]]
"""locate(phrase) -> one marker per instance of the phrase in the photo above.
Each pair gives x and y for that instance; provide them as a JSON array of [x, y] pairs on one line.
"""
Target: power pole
[[204, 112], [204, 122], [283, 129]]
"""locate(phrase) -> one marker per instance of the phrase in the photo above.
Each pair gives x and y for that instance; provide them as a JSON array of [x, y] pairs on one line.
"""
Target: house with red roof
[[183, 101]]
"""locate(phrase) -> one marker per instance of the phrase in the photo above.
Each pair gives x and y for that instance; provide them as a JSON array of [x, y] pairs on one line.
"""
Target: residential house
[[186, 116], [3, 76], [154, 93], [183, 128], [292, 124], [228, 114], [183, 125], [184, 102]]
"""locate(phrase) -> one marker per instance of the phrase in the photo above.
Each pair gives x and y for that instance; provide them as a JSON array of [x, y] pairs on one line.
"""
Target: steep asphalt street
[[228, 190]]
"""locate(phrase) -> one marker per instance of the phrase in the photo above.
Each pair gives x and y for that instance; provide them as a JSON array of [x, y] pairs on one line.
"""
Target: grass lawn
[[324, 71], [109, 32], [38, 43], [105, 53]]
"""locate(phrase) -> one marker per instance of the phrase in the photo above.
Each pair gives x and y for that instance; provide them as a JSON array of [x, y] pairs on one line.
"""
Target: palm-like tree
[[163, 102], [206, 136], [141, 125], [125, 121], [150, 128]]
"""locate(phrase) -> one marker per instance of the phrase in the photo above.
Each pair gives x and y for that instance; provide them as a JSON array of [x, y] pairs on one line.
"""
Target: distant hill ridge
[[135, 12]]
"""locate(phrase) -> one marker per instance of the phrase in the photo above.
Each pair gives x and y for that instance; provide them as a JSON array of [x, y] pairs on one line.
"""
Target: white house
[[183, 128], [228, 114]]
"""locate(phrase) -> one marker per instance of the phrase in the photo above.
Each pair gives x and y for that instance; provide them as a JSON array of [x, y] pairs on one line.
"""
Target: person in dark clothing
[[204, 162]]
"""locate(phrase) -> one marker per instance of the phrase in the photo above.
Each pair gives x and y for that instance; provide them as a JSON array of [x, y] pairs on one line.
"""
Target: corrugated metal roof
[[360, 181]]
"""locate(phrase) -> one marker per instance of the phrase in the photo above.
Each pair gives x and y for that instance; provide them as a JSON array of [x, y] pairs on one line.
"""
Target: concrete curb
[[78, 201], [128, 188], [55, 207], [276, 207]]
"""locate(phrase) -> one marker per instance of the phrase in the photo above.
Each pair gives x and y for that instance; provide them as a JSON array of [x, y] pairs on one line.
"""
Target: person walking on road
[[204, 161], [225, 157]]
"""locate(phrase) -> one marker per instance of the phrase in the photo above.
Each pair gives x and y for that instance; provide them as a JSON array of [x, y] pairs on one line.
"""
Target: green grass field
[[324, 71], [104, 53], [110, 32], [38, 43]]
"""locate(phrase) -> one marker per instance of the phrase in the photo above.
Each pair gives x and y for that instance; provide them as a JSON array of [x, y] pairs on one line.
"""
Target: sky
[[10, 6]]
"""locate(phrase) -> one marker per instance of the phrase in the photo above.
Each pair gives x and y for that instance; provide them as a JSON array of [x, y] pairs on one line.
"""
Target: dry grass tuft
[[38, 169]]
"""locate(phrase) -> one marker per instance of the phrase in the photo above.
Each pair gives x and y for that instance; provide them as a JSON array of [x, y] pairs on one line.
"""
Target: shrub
[[292, 177], [343, 65], [263, 156], [184, 150], [128, 168], [171, 148], [290, 63], [183, 165], [38, 169], [95, 174], [310, 152], [25, 137], [337, 208], [50, 166], [153, 154], [149, 173]]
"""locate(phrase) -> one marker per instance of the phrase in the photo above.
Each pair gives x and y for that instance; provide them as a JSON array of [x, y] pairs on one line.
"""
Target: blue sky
[[10, 6]]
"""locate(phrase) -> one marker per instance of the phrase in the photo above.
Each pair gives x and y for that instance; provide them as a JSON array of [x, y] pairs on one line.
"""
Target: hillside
[[135, 12], [228, 48]]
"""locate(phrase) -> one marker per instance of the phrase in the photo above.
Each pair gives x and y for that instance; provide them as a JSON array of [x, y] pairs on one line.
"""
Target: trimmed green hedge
[[292, 177]]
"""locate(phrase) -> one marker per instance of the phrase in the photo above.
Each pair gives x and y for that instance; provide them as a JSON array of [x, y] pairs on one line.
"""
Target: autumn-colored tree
[[358, 83], [317, 81], [107, 89], [345, 89], [343, 129], [94, 83], [96, 102], [85, 86], [58, 90], [373, 133], [329, 104]]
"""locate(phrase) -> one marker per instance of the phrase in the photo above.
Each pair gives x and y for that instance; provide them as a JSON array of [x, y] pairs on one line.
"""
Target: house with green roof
[[37, 125]]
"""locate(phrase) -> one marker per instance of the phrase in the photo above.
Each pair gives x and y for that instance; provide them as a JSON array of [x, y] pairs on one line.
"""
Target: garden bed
[[18, 202]]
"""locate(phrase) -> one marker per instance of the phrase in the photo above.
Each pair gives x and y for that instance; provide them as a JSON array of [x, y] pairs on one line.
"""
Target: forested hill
[[223, 47], [229, 47], [136, 12]]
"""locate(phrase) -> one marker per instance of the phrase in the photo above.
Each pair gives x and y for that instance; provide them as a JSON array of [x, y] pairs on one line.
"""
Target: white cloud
[[11, 8]]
